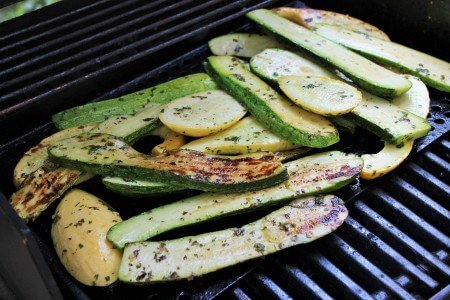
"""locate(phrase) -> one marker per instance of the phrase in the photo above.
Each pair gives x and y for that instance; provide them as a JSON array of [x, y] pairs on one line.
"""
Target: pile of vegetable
[[243, 134]]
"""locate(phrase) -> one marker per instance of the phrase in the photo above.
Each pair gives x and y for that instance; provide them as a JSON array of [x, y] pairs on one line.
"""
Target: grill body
[[395, 244]]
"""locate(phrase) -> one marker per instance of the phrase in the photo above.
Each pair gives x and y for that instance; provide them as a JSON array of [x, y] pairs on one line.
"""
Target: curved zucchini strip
[[432, 71], [106, 155], [362, 71], [242, 44], [172, 140], [140, 188], [246, 136], [277, 113], [300, 222], [273, 63], [310, 18], [49, 181], [319, 173], [37, 156], [416, 101], [132, 103]]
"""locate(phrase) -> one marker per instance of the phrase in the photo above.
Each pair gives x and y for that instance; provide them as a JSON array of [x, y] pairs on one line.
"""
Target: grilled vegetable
[[343, 123], [390, 122], [247, 136], [362, 71], [49, 181], [140, 188], [320, 95], [242, 44], [433, 71], [37, 156], [275, 112], [313, 174], [203, 113], [172, 140], [108, 156], [310, 18], [289, 155], [79, 228], [302, 221], [132, 103], [416, 101], [273, 63]]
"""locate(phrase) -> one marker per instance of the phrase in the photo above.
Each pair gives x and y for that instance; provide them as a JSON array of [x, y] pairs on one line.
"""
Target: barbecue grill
[[394, 244]]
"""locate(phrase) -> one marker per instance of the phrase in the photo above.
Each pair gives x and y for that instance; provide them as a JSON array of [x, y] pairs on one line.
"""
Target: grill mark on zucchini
[[106, 155]]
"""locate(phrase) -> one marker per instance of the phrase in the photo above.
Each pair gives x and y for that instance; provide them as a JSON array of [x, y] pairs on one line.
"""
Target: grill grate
[[395, 244]]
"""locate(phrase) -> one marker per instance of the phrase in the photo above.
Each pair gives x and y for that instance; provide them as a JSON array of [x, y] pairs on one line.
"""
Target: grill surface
[[395, 244]]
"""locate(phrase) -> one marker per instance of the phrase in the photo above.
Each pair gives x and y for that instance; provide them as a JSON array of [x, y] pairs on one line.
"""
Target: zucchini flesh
[[390, 122], [302, 221], [311, 18], [242, 44], [319, 173], [247, 136], [273, 63], [275, 112], [416, 101], [49, 181], [433, 71], [202, 114], [362, 71], [132, 103], [108, 156], [172, 140], [320, 95]]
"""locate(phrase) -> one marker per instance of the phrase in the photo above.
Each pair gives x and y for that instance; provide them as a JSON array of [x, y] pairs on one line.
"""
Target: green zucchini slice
[[319, 173], [300, 222], [320, 95], [433, 71], [132, 103], [275, 112], [140, 188], [108, 156], [242, 44], [362, 71]]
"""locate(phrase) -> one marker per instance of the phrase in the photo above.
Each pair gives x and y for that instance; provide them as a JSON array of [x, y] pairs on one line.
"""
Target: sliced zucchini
[[202, 113], [273, 63], [302, 221], [289, 155], [37, 156], [416, 101], [108, 156], [132, 103], [432, 71], [242, 44], [172, 140], [140, 188], [320, 95], [362, 71], [388, 121], [49, 181], [246, 136], [275, 112], [319, 173], [344, 124], [310, 18]]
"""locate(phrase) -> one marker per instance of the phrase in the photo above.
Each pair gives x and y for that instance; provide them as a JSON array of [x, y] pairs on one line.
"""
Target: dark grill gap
[[394, 245]]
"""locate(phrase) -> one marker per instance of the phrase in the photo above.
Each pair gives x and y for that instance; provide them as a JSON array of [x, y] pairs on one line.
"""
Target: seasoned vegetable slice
[[416, 101], [275, 112], [362, 71], [242, 44], [320, 95], [108, 156], [203, 113], [302, 221], [246, 136], [133, 103], [433, 71], [140, 188], [390, 122], [172, 140], [319, 173], [310, 18], [273, 63]]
